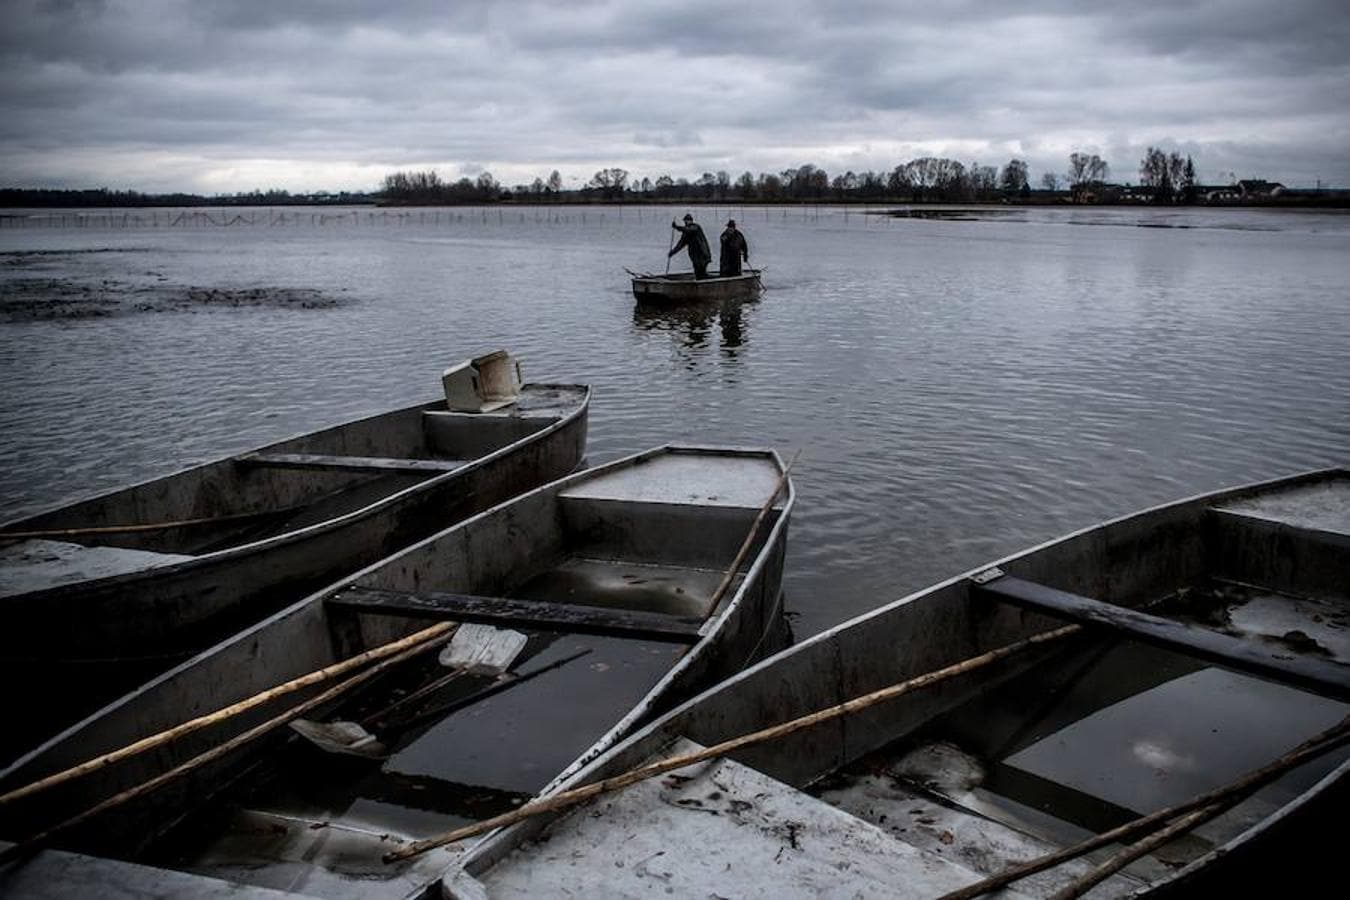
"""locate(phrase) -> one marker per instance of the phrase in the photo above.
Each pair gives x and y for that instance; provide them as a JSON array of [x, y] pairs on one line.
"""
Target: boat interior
[[637, 550], [1213, 641], [611, 581], [287, 486]]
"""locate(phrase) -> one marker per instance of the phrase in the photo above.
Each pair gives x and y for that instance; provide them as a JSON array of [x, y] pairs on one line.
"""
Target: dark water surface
[[959, 388]]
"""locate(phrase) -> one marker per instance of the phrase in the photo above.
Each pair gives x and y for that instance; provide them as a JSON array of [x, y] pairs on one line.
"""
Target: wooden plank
[[570, 618], [352, 463], [1308, 673]]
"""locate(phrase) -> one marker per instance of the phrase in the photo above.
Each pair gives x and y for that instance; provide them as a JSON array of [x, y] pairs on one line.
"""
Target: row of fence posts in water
[[281, 218]]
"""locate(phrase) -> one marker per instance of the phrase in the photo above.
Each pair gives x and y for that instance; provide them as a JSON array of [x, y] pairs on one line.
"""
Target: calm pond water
[[959, 387]]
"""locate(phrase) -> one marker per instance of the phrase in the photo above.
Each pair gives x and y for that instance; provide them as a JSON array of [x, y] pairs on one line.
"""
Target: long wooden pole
[[1330, 739], [140, 527], [156, 740], [754, 532], [581, 794], [35, 842], [1087, 882], [672, 247]]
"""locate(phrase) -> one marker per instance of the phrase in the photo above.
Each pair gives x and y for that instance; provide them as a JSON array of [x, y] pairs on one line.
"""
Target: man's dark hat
[[731, 221], [689, 217]]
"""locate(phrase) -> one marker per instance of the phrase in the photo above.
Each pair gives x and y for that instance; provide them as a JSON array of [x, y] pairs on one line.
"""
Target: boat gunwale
[[686, 278]]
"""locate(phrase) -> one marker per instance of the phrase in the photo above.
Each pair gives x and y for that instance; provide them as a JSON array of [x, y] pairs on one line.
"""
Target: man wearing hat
[[691, 236], [734, 249]]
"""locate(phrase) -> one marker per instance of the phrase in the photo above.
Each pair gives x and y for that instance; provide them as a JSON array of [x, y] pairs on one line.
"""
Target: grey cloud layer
[[104, 92]]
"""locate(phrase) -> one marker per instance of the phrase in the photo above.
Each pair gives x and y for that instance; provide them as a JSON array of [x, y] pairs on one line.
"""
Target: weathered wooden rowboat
[[933, 789], [99, 595], [683, 287], [632, 561]]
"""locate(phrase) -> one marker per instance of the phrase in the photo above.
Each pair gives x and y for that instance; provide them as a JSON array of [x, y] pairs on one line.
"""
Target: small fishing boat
[[619, 591], [1206, 664], [683, 287], [101, 594]]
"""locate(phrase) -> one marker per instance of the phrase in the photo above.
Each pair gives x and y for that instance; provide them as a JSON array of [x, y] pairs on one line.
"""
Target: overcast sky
[[224, 95]]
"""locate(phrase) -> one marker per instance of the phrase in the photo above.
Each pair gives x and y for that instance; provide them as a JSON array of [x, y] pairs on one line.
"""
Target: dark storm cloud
[[169, 94]]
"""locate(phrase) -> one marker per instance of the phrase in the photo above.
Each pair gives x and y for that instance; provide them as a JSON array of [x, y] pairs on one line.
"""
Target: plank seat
[[349, 463], [1309, 673], [570, 618]]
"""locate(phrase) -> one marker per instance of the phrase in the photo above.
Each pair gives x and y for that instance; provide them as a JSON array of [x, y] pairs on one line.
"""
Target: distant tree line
[[103, 197], [1163, 178]]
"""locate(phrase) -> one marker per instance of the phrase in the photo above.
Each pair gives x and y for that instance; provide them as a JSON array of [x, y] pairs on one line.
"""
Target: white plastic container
[[482, 384]]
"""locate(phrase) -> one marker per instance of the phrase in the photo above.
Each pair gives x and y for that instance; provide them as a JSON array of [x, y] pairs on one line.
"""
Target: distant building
[[1255, 189], [1216, 193]]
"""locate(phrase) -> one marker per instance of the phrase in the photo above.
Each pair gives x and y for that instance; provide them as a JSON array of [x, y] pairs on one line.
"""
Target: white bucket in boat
[[482, 384]]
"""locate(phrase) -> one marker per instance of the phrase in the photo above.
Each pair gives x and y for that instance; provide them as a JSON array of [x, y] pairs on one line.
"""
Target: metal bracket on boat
[[987, 575]]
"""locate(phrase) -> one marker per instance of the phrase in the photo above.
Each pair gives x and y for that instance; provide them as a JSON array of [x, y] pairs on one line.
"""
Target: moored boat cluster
[[429, 653]]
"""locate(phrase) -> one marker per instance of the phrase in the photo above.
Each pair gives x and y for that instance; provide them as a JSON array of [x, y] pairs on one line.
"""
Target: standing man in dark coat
[[691, 236], [734, 249]]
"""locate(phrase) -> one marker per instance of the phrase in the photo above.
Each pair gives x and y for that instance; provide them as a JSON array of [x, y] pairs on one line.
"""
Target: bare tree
[[554, 183], [1014, 179], [897, 182], [1050, 181], [982, 180], [1085, 171], [1155, 171], [931, 177], [610, 182], [746, 185]]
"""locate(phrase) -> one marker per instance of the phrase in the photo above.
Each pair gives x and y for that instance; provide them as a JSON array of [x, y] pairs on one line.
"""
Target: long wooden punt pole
[[570, 798], [141, 527], [37, 841], [155, 740], [1211, 802]]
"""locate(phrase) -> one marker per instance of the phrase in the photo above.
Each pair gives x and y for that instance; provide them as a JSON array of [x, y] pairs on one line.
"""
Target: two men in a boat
[[734, 247]]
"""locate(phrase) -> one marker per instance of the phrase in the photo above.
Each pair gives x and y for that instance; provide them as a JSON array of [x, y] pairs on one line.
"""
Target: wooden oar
[[475, 649], [35, 842], [318, 676], [570, 798]]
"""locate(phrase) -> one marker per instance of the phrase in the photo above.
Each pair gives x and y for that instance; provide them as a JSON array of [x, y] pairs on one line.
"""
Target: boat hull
[[136, 624], [684, 288]]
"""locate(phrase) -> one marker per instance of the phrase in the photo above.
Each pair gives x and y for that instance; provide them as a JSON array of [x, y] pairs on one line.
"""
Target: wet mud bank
[[47, 286]]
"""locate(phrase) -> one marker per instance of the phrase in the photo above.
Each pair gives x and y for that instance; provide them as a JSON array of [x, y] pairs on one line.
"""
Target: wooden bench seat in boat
[[517, 613], [1269, 661]]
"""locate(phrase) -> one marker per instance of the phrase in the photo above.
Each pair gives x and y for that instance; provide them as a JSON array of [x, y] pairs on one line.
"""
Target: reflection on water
[[693, 324]]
